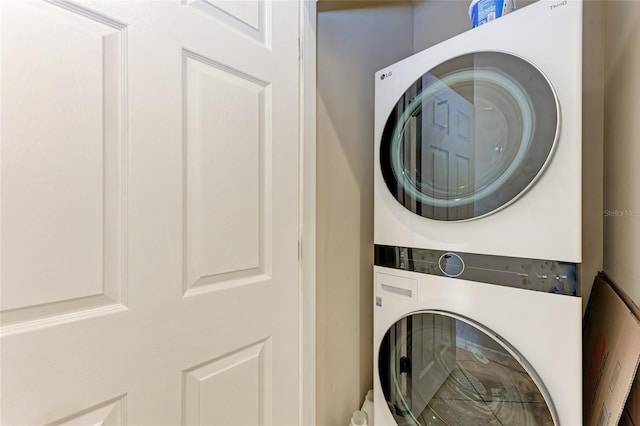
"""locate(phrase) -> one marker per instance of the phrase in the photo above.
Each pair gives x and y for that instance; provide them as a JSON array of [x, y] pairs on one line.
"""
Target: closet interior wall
[[352, 43]]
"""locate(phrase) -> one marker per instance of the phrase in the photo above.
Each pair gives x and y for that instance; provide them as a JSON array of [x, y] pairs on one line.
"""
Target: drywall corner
[[592, 143]]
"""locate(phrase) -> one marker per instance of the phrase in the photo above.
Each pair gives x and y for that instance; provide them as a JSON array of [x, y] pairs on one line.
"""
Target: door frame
[[307, 11]]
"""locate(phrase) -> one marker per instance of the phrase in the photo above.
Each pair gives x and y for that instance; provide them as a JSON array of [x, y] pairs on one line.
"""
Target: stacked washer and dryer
[[478, 174]]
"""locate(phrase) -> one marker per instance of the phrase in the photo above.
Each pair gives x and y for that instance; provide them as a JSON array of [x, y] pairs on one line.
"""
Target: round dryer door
[[437, 368], [469, 136]]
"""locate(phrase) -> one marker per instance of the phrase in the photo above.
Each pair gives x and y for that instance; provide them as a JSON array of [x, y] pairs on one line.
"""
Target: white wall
[[438, 20], [592, 143], [622, 145], [352, 45]]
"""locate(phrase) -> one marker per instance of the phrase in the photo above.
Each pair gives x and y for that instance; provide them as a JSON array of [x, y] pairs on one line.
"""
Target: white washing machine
[[451, 351], [478, 140], [478, 216]]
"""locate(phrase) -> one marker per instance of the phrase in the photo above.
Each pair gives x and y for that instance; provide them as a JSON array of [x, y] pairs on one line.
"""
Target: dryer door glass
[[469, 136], [438, 368]]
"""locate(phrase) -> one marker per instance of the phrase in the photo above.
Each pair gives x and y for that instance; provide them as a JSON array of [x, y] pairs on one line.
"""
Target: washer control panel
[[451, 264], [533, 274]]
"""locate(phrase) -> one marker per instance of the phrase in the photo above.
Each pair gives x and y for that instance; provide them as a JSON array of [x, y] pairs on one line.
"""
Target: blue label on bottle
[[485, 11]]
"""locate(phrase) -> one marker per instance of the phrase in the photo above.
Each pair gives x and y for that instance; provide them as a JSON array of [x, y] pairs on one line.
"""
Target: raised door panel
[[249, 17], [110, 413], [227, 168], [62, 163], [232, 390]]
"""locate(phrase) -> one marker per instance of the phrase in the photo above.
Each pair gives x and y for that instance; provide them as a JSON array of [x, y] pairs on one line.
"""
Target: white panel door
[[149, 213]]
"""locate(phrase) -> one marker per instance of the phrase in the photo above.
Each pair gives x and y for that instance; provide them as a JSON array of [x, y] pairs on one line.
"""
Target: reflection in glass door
[[433, 359], [437, 368], [447, 160], [469, 136]]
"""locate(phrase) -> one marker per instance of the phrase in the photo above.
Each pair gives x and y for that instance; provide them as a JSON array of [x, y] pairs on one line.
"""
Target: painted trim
[[307, 232]]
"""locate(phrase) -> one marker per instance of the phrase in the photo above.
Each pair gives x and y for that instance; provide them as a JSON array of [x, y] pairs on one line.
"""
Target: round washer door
[[437, 368], [469, 136]]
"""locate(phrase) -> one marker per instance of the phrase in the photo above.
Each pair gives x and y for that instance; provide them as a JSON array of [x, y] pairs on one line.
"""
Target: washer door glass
[[469, 136], [437, 368]]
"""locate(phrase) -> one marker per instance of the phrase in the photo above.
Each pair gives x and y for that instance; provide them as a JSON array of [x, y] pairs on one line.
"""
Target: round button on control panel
[[451, 265]]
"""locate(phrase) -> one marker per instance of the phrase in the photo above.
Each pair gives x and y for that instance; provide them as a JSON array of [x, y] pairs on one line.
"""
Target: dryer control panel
[[549, 276]]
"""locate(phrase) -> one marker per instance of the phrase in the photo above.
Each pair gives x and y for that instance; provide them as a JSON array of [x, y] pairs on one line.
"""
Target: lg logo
[[385, 75]]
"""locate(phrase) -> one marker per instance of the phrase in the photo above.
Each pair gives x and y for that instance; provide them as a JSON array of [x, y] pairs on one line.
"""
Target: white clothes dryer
[[478, 140], [450, 351]]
